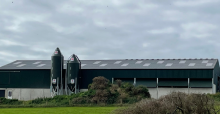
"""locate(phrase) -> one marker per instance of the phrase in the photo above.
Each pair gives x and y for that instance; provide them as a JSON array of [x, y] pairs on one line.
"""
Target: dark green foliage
[[9, 101], [100, 91], [216, 96], [127, 86], [119, 82], [141, 90], [113, 97], [38, 101]]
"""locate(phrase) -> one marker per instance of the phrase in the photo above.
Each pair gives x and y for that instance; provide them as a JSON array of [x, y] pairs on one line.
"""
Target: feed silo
[[56, 72], [73, 72]]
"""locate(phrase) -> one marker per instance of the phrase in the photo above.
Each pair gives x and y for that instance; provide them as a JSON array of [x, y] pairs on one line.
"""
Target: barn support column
[[212, 87], [134, 81], [188, 84], [76, 85], [213, 83], [112, 80], [157, 88]]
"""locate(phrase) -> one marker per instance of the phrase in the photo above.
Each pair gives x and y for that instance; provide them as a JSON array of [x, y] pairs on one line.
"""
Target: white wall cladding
[[165, 91], [27, 94], [153, 92], [83, 90], [200, 90]]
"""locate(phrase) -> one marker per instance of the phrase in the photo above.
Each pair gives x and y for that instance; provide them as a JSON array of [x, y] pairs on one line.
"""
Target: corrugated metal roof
[[132, 64]]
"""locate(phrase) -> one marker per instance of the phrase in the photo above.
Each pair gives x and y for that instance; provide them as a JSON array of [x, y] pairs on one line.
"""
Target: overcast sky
[[109, 29]]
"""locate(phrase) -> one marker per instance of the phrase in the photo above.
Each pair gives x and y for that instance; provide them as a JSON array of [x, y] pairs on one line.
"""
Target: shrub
[[215, 96], [100, 82], [181, 102], [3, 100], [81, 100], [141, 90], [119, 82]]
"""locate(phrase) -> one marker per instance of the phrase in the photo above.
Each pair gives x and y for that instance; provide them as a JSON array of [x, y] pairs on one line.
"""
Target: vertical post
[[66, 79], [134, 81], [157, 89], [112, 80], [43, 94], [20, 95], [30, 94], [212, 85], [57, 86], [75, 84], [188, 84], [61, 80], [51, 88]]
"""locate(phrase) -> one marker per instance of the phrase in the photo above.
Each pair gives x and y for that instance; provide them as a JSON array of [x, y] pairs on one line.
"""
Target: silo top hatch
[[74, 59], [57, 52]]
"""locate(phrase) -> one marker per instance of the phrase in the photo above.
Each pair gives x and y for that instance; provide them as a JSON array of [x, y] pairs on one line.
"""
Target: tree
[[100, 85]]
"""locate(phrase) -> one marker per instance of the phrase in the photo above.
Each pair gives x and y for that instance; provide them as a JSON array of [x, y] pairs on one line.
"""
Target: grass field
[[58, 110]]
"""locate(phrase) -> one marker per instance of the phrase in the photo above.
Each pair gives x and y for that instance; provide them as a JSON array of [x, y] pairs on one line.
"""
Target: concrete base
[[200, 90], [83, 90], [30, 94], [153, 92], [27, 94], [165, 91]]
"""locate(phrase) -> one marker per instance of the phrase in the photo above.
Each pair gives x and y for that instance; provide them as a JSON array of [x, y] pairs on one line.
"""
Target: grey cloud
[[108, 29]]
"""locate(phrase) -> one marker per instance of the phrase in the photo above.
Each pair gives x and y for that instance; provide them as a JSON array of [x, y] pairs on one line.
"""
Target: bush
[[3, 100], [100, 91], [181, 102], [119, 82], [142, 91], [100, 82], [81, 100], [127, 86], [216, 96]]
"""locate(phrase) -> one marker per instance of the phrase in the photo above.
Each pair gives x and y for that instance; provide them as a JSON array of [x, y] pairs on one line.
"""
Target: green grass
[[59, 110]]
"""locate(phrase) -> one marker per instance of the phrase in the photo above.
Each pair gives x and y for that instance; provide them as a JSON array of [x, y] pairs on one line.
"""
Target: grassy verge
[[59, 110], [57, 105]]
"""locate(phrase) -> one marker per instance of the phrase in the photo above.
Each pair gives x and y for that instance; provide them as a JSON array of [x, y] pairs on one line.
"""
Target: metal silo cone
[[56, 73], [73, 72]]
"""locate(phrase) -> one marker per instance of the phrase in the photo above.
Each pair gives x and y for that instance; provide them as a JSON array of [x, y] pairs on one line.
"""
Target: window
[[37, 62], [41, 65], [160, 62], [21, 65], [192, 64], [103, 64], [209, 64], [126, 64], [17, 63], [83, 65], [146, 64], [117, 62], [9, 94], [97, 62], [205, 61], [138, 62], [182, 62], [169, 64]]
